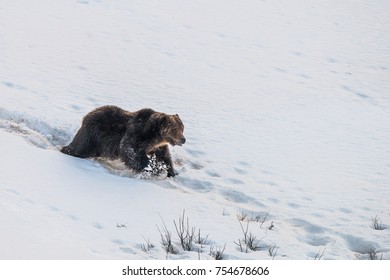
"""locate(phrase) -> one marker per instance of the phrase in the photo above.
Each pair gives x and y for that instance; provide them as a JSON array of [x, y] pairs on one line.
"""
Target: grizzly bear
[[133, 137]]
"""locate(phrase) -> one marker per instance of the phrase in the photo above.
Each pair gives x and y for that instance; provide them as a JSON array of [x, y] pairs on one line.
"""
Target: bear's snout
[[182, 141]]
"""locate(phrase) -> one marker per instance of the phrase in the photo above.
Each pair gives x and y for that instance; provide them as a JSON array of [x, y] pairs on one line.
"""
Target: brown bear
[[133, 137]]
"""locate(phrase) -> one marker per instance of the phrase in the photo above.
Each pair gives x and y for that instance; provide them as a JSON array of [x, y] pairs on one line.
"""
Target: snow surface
[[286, 106]]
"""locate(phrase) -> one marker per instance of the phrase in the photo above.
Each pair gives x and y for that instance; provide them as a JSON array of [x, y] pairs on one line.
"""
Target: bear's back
[[143, 115], [108, 118]]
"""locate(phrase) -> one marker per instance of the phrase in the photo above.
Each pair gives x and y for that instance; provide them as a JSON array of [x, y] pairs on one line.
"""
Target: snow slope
[[286, 107]]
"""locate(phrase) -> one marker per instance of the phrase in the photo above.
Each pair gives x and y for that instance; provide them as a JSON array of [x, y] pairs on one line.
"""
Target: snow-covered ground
[[286, 106]]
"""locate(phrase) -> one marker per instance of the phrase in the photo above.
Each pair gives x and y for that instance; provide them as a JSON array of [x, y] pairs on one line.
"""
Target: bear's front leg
[[163, 154], [135, 159]]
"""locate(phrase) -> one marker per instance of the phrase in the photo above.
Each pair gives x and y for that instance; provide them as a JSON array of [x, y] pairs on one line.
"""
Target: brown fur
[[112, 132]]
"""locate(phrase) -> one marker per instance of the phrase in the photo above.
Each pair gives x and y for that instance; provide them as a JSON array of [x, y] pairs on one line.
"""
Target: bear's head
[[172, 130]]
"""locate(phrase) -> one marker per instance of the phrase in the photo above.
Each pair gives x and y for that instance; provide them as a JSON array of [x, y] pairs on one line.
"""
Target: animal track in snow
[[127, 250], [15, 192], [196, 184], [195, 165], [235, 181], [195, 153], [307, 226], [36, 132], [240, 171], [98, 225], [293, 205], [358, 244], [316, 240], [13, 85], [118, 242], [239, 197]]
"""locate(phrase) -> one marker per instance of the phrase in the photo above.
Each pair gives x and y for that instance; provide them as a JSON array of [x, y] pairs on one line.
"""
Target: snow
[[286, 110]]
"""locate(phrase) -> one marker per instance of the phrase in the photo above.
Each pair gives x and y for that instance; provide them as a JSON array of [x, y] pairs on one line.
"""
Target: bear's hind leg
[[70, 150], [82, 146]]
